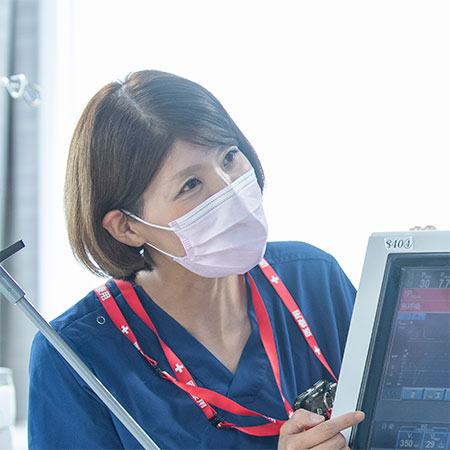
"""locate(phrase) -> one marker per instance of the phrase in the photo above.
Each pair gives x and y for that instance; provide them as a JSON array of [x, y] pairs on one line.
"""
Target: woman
[[163, 194]]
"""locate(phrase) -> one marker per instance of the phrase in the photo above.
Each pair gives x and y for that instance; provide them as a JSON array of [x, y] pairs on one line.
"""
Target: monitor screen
[[406, 387]]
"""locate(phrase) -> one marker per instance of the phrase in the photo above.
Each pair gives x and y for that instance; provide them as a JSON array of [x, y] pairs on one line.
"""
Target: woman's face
[[190, 174]]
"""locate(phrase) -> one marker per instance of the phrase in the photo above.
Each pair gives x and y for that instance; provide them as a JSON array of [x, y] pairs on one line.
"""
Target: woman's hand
[[319, 434]]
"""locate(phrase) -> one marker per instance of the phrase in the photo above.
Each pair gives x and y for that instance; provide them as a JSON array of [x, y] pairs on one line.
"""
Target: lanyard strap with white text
[[290, 304], [184, 381]]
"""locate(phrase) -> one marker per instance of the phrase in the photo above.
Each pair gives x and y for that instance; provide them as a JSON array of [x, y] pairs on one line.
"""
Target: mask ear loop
[[161, 227], [162, 251], [133, 216]]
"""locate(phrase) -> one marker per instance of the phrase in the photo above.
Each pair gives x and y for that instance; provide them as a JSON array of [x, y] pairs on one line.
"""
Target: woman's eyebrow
[[185, 172]]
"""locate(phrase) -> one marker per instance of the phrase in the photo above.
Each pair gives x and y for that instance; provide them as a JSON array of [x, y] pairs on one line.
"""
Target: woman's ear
[[118, 226]]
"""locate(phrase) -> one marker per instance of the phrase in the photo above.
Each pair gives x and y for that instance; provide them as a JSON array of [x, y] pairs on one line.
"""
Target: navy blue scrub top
[[65, 413]]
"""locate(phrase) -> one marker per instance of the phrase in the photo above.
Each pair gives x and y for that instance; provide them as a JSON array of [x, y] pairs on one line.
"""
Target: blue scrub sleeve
[[63, 412]]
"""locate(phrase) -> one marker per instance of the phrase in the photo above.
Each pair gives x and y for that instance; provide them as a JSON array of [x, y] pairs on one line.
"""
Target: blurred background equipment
[[7, 408], [18, 86]]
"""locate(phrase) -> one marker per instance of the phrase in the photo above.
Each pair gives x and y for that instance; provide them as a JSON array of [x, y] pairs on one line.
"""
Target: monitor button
[[434, 394], [412, 394]]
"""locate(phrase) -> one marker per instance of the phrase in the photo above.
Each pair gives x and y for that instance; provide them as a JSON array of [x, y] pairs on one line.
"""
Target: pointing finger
[[299, 421], [330, 428]]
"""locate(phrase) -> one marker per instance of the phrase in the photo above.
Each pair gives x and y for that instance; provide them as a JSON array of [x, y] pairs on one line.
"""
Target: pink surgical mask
[[225, 235]]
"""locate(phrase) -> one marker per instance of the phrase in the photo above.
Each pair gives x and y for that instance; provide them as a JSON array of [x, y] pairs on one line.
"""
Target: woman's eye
[[231, 156], [190, 184]]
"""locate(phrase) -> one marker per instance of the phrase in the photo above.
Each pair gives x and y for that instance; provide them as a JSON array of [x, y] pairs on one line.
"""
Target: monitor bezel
[[382, 334], [366, 304]]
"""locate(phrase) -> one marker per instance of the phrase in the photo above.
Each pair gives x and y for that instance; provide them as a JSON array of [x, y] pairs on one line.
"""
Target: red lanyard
[[204, 397], [290, 304]]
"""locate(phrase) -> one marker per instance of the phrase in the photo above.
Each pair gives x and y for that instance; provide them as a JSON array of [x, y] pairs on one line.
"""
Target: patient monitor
[[396, 365]]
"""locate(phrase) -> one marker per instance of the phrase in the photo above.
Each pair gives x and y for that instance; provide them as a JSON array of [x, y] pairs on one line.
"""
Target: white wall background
[[346, 102]]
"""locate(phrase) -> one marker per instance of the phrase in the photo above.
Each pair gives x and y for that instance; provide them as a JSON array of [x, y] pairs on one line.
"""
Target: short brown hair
[[120, 142]]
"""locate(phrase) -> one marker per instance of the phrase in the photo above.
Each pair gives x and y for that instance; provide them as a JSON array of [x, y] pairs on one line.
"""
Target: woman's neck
[[213, 310]]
